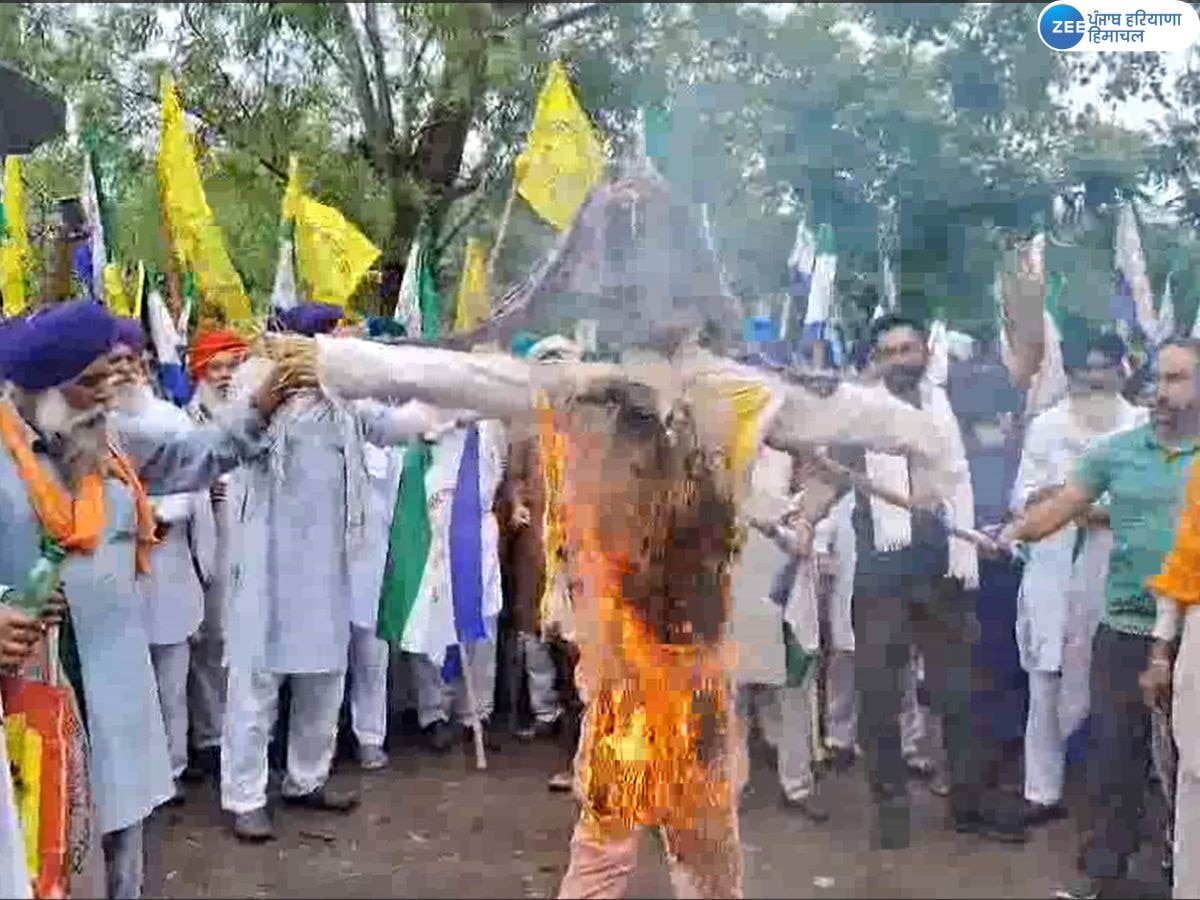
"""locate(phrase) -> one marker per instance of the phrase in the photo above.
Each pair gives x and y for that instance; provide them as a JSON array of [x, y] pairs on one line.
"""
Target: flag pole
[[476, 724], [502, 230]]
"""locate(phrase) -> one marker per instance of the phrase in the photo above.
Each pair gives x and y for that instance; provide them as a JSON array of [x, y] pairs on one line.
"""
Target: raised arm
[[174, 461]]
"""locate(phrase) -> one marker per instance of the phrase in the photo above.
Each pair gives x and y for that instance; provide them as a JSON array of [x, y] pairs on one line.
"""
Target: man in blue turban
[[310, 319], [68, 484]]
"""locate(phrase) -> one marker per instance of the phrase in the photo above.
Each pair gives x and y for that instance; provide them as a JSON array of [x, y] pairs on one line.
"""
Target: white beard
[[210, 399], [1098, 413], [78, 438], [134, 398]]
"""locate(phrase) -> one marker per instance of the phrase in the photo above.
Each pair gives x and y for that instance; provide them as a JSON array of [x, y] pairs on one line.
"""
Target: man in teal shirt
[[1143, 472]]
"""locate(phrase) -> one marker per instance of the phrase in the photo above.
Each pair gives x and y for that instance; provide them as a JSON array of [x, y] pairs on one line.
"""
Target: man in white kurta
[[300, 517], [213, 357], [1062, 589]]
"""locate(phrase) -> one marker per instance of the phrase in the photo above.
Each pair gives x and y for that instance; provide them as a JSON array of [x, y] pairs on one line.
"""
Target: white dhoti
[[170, 663], [1060, 600], [312, 735], [368, 687]]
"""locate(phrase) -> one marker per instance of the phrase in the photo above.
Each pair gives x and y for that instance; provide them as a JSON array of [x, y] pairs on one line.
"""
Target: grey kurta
[[301, 514], [130, 769]]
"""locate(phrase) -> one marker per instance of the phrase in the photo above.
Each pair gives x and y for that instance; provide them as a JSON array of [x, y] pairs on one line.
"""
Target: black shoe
[[1002, 829], [325, 800], [439, 737], [1035, 814], [254, 827]]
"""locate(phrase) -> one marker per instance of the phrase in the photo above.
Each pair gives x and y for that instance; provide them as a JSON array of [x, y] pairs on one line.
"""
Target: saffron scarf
[[76, 522]]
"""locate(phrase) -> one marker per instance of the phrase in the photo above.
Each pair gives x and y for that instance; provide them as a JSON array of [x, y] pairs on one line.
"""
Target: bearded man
[[182, 562], [1062, 588], [655, 457], [301, 523], [214, 356], [71, 475]]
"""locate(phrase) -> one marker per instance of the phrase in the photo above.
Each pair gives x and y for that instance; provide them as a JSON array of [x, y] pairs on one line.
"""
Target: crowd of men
[[244, 563]]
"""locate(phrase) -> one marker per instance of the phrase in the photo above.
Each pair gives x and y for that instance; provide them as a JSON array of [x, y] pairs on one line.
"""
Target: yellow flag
[[114, 291], [563, 158], [331, 254], [14, 252], [194, 234], [474, 292]]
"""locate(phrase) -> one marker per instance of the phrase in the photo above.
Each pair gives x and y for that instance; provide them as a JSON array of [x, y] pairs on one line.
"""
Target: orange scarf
[[76, 522]]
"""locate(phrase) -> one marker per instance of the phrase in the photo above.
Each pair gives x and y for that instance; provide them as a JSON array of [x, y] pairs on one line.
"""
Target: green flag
[[410, 537]]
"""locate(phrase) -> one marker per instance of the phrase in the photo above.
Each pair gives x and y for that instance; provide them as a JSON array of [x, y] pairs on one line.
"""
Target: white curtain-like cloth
[[893, 524]]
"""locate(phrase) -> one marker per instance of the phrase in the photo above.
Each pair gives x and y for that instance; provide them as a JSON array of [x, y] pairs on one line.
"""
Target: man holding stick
[[915, 577]]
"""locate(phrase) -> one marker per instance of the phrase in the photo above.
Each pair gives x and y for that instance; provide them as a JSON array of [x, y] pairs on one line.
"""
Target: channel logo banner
[[1149, 26]]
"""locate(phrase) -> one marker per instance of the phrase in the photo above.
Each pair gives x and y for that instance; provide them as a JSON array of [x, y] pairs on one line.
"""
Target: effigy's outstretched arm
[[494, 385], [870, 418]]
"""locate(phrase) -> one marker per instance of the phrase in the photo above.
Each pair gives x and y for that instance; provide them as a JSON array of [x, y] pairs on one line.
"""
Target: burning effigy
[[647, 463]]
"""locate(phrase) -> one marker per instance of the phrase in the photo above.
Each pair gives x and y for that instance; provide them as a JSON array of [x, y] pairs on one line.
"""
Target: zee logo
[[1061, 26]]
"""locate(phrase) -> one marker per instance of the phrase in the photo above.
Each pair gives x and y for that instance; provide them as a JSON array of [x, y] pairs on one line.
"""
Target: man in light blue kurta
[[56, 365]]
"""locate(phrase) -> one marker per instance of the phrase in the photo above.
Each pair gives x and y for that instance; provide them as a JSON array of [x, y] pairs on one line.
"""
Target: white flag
[[408, 301], [1166, 314], [283, 291], [91, 211], [1131, 263]]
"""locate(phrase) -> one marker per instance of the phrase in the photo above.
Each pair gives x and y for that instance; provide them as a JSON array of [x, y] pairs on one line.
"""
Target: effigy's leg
[[600, 864], [705, 856]]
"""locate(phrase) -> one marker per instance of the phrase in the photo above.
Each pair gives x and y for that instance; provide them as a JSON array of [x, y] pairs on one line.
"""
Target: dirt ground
[[435, 827]]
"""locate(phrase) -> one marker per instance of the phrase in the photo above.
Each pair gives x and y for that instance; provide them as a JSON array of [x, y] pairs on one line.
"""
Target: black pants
[[936, 615], [1119, 751]]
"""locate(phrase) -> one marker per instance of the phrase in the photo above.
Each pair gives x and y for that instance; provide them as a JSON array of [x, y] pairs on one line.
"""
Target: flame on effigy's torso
[[657, 744]]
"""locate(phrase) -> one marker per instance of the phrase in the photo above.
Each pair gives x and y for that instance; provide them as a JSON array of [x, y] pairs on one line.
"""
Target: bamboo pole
[[864, 484], [476, 723]]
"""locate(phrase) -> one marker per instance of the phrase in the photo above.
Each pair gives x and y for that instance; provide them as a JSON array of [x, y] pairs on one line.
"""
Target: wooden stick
[[864, 484], [476, 724]]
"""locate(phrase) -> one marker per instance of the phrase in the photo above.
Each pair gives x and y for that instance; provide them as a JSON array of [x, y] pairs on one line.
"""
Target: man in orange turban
[[214, 356], [212, 359]]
